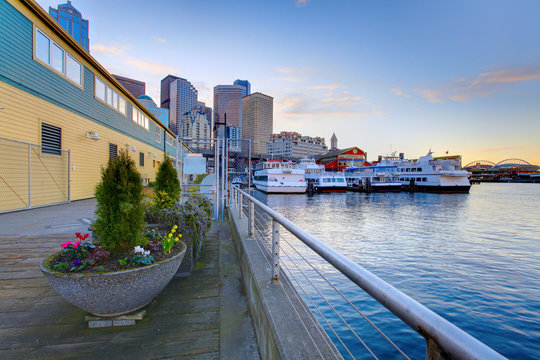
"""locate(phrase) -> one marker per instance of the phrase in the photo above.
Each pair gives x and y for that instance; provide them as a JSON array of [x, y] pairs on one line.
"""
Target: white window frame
[[110, 96], [139, 118], [64, 59]]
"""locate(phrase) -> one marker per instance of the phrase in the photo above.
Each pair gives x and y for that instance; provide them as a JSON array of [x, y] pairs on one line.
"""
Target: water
[[472, 258]]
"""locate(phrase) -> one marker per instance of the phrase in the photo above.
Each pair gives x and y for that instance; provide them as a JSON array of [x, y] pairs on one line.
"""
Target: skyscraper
[[71, 19], [257, 120], [135, 87], [245, 84], [179, 96], [228, 100], [207, 110]]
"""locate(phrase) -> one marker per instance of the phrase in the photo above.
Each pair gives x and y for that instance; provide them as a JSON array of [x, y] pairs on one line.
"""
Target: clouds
[[109, 50], [467, 88], [294, 75], [321, 102], [301, 3], [152, 67]]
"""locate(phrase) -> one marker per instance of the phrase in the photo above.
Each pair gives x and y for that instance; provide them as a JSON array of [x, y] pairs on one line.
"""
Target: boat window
[[340, 180], [419, 169], [413, 169], [326, 180], [425, 179]]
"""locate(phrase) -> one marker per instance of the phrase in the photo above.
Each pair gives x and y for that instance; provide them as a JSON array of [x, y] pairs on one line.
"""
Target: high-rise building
[[257, 120], [245, 84], [71, 20], [294, 145], [135, 87], [161, 114], [208, 111], [179, 96], [228, 105], [195, 125]]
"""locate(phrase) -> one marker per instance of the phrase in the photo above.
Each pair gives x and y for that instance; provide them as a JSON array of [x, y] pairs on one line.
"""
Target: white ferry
[[429, 174], [321, 180], [274, 176], [377, 178]]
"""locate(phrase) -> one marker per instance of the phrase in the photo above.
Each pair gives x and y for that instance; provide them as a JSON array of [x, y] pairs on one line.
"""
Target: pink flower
[[76, 245], [66, 244]]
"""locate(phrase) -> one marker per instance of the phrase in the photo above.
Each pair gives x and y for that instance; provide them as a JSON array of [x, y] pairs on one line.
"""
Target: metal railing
[[443, 339]]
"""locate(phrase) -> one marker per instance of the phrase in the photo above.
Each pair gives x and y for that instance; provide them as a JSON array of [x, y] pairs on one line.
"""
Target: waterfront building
[[245, 84], [71, 20], [195, 125], [161, 114], [257, 120], [294, 145], [180, 97], [338, 159], [228, 105], [62, 110], [135, 87]]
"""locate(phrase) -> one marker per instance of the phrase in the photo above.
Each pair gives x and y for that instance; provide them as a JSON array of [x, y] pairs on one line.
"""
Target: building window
[[51, 139], [139, 118], [158, 135], [141, 159], [113, 151], [110, 97], [53, 55]]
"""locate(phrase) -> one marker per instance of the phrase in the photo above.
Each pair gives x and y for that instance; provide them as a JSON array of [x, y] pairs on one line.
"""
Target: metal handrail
[[444, 339]]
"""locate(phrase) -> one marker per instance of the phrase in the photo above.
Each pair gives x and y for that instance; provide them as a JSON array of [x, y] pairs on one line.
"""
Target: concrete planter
[[115, 293]]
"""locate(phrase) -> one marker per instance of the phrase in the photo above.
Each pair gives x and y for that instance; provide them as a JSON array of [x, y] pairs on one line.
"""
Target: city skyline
[[460, 77]]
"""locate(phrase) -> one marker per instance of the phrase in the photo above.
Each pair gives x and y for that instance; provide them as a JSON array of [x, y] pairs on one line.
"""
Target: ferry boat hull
[[282, 189]]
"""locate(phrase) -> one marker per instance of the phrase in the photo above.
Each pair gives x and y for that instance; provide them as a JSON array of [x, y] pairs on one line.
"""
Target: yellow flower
[[179, 235]]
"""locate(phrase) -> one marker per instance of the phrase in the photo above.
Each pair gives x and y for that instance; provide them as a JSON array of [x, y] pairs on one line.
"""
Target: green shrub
[[120, 213], [167, 185]]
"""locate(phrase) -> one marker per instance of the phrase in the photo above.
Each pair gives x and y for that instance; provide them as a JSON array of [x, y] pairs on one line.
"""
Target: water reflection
[[473, 258]]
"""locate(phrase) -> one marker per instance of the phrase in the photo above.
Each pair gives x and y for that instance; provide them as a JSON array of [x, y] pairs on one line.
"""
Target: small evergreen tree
[[167, 185], [120, 212]]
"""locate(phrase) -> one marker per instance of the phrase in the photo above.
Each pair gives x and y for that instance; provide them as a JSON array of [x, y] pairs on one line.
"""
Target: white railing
[[443, 339]]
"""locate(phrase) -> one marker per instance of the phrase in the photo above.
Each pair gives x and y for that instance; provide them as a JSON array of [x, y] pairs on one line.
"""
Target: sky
[[460, 76]]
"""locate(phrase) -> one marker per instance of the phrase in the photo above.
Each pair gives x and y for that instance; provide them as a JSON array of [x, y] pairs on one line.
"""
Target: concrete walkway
[[202, 316]]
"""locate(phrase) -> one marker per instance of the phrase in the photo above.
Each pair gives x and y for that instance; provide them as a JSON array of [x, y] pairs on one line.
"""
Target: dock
[[201, 316]]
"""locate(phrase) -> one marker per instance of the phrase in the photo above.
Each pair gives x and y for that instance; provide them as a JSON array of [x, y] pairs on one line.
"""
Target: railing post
[[275, 250], [251, 219], [240, 205]]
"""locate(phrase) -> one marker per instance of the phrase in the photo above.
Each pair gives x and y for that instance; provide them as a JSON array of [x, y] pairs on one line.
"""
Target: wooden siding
[[19, 68], [21, 120]]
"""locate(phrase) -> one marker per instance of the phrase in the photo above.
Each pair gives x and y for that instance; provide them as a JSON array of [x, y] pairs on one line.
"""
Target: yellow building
[[62, 114]]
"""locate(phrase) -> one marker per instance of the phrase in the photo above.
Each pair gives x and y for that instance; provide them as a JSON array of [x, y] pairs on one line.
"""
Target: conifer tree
[[119, 213]]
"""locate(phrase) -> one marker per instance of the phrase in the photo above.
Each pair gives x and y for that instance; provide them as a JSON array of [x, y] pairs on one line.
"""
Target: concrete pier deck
[[202, 316]]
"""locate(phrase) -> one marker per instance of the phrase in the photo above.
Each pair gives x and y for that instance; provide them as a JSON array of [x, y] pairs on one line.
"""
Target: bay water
[[472, 258]]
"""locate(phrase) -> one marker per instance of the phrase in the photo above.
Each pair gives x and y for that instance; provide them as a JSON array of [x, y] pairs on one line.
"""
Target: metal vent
[[51, 139], [113, 151]]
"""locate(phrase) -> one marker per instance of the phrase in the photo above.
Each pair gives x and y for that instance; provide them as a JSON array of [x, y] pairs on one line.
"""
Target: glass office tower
[[180, 97], [71, 19], [228, 104], [245, 84]]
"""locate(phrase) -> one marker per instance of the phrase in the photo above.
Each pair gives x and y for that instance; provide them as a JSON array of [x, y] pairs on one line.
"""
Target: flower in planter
[[168, 241]]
